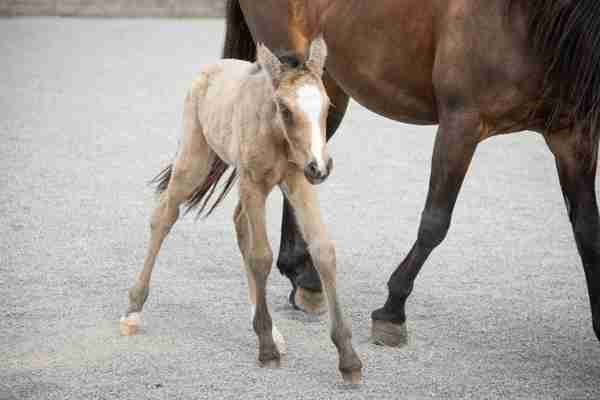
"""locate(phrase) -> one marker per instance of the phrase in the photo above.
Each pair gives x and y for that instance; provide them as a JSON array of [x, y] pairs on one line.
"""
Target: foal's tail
[[238, 40], [201, 196]]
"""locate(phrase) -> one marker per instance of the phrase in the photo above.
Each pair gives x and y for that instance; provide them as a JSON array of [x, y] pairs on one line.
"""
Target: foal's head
[[302, 104]]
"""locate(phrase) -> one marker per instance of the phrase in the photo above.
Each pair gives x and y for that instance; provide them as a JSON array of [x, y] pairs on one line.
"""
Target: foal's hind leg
[[303, 198], [258, 258], [188, 172], [242, 230], [577, 180]]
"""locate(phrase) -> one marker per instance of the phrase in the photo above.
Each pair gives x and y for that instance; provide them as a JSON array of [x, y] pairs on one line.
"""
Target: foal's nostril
[[313, 169]]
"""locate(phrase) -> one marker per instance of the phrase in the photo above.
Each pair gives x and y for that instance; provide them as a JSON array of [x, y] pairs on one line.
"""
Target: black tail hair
[[204, 192], [238, 39], [565, 36]]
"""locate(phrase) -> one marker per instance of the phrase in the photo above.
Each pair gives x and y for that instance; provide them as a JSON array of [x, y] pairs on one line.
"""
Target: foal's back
[[228, 95]]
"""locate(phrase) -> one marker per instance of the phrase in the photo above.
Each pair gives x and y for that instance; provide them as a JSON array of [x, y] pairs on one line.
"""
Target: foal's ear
[[270, 63], [317, 55]]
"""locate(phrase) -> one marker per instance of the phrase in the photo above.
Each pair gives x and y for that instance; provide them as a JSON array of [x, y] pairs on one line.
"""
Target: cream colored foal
[[267, 121]]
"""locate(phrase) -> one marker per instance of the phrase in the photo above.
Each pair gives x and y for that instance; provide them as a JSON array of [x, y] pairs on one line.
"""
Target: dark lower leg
[[432, 231], [583, 213], [454, 147], [576, 165]]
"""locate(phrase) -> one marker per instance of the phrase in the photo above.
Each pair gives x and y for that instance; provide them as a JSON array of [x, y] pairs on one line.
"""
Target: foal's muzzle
[[316, 175]]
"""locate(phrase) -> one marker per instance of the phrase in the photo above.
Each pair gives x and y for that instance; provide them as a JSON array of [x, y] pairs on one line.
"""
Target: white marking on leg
[[277, 336], [130, 324], [310, 101]]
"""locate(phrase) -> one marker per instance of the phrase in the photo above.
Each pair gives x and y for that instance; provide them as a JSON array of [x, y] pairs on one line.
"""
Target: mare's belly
[[382, 53]]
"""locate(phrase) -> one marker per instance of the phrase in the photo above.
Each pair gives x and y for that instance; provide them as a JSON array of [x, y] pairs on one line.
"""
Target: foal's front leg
[[258, 258], [303, 199], [242, 230]]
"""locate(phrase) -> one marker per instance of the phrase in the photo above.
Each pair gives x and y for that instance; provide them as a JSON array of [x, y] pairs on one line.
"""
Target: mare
[[267, 121], [477, 69]]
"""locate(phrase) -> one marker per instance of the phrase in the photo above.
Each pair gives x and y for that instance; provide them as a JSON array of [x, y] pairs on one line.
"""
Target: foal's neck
[[261, 99]]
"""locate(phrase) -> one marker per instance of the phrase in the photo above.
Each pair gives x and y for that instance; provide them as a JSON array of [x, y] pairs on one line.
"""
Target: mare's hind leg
[[188, 172], [455, 145], [258, 258], [577, 179], [303, 198], [294, 260], [242, 230]]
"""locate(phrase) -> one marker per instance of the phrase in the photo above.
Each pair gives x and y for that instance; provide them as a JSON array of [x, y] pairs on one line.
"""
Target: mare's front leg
[[455, 145], [258, 258], [294, 260], [303, 199], [576, 162]]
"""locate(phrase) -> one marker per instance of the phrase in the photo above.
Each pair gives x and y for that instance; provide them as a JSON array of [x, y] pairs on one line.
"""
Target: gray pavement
[[90, 110]]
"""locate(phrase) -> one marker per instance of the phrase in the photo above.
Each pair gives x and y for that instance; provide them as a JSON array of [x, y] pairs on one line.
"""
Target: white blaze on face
[[310, 101]]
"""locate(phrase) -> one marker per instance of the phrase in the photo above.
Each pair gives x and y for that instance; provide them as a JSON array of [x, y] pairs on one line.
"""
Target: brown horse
[[477, 68]]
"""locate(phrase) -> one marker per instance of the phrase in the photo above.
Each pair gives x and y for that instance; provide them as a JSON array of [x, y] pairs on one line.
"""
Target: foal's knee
[[260, 260], [433, 229]]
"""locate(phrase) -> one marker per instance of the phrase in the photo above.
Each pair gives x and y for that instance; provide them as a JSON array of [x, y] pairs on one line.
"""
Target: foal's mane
[[565, 36]]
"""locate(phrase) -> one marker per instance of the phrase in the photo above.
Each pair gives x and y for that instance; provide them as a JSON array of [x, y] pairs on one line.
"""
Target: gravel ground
[[90, 110]]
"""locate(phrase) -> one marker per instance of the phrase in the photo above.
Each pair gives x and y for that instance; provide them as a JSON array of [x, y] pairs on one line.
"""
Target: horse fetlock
[[268, 354], [341, 337], [310, 301], [308, 277], [137, 297], [351, 367]]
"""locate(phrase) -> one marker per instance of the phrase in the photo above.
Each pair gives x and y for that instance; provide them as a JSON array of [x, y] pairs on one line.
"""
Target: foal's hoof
[[130, 324], [309, 301], [352, 377], [270, 359], [385, 333]]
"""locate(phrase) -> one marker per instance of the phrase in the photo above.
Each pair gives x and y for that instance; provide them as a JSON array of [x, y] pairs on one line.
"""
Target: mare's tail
[[238, 40], [201, 196], [565, 35]]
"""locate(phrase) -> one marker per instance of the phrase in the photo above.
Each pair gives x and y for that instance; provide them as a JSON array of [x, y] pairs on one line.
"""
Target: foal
[[267, 120]]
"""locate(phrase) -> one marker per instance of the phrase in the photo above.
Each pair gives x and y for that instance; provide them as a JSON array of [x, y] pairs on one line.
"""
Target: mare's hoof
[[130, 324], [352, 377], [309, 301], [385, 333]]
